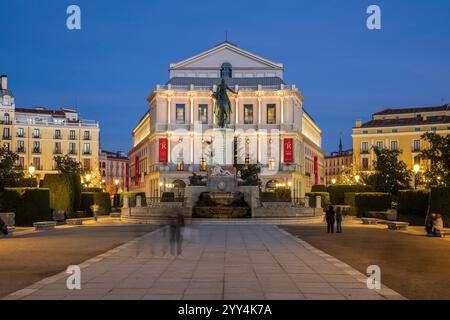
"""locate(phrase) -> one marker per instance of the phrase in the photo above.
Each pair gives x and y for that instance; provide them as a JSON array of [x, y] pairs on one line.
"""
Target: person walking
[[330, 217], [339, 216]]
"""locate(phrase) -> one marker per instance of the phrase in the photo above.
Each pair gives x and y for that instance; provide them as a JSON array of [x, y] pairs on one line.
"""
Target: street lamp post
[[416, 169], [116, 183], [87, 179], [31, 170], [357, 177], [333, 181]]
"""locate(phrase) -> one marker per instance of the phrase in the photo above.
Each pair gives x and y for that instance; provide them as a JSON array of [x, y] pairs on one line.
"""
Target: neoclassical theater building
[[179, 135]]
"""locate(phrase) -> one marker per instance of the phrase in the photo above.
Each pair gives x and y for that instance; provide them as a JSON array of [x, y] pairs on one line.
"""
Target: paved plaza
[[217, 262]]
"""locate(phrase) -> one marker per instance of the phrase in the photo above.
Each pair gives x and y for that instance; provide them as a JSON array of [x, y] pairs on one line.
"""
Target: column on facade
[[282, 110], [259, 110], [168, 110], [236, 110]]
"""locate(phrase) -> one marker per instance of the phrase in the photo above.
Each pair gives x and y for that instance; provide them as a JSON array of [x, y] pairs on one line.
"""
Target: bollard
[[318, 202], [138, 201]]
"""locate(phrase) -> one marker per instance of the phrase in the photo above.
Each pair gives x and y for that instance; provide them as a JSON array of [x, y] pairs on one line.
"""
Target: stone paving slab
[[218, 262]]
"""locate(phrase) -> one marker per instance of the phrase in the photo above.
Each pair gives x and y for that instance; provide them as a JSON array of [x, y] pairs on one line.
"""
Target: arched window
[[226, 71]]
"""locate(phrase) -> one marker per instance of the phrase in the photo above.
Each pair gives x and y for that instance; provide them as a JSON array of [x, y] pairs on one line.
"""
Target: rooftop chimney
[[358, 123], [4, 82]]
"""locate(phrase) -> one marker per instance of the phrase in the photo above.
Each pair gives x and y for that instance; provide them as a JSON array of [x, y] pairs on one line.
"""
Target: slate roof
[[413, 110], [406, 122], [57, 113], [245, 82]]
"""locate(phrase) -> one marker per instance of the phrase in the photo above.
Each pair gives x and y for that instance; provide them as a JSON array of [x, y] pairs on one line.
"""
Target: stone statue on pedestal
[[222, 108]]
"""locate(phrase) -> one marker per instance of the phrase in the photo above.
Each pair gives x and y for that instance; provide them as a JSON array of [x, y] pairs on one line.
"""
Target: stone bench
[[115, 214], [46, 225], [442, 233], [370, 220], [74, 222], [397, 225]]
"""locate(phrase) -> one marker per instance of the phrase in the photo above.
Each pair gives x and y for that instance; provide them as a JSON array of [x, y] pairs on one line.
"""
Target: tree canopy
[[390, 174], [438, 171], [10, 172], [65, 164]]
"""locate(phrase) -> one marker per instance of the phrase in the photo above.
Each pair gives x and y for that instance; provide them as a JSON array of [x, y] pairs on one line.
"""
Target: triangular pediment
[[226, 52]]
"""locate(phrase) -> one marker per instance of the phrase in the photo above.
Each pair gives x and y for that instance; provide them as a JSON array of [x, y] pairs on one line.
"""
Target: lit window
[[271, 114], [394, 145], [203, 113], [380, 145], [180, 113], [248, 114]]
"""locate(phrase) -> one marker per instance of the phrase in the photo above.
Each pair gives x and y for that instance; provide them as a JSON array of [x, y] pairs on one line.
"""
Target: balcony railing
[[72, 138], [57, 151], [364, 151], [239, 88], [6, 122], [86, 138], [87, 153], [20, 135], [36, 136], [416, 149], [57, 137], [76, 124], [20, 150], [6, 137], [72, 152], [36, 150]]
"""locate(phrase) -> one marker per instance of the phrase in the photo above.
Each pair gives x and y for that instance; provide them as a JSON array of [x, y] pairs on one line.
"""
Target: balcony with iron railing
[[72, 152], [20, 150], [282, 87], [37, 150], [6, 137], [57, 151], [74, 124], [57, 137], [6, 122], [364, 151], [87, 152], [416, 149]]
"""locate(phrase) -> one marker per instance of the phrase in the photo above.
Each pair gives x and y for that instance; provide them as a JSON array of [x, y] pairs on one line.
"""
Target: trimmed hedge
[[371, 201], [278, 195], [440, 203], [413, 206], [132, 198], [29, 205], [337, 191], [319, 188], [349, 199], [65, 191], [100, 198], [312, 199]]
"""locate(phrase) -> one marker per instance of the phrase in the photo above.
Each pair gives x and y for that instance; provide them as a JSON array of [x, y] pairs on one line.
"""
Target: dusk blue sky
[[345, 71]]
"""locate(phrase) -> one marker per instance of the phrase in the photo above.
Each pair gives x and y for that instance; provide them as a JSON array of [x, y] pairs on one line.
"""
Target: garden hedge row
[[29, 205], [319, 188], [337, 191], [102, 199], [325, 196], [132, 198], [65, 191], [413, 202], [278, 195], [371, 201], [349, 199], [440, 203]]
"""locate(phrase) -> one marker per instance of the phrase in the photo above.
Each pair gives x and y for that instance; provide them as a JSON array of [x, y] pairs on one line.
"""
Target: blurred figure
[[438, 225], [3, 227], [430, 225], [339, 216], [330, 217], [176, 223]]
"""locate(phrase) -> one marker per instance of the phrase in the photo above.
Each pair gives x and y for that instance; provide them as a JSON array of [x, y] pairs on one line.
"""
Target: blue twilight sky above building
[[107, 69]]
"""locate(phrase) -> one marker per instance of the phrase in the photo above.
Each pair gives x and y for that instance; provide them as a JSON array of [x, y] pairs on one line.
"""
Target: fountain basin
[[221, 212]]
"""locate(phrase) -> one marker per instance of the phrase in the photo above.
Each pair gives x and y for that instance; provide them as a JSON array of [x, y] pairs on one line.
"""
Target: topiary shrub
[[62, 191], [319, 188], [349, 199], [337, 191], [325, 197], [371, 201], [278, 195], [29, 205], [76, 184], [440, 203], [412, 206], [132, 198], [102, 199]]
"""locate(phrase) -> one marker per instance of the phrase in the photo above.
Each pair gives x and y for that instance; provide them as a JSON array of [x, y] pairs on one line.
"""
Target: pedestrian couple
[[434, 225], [332, 217]]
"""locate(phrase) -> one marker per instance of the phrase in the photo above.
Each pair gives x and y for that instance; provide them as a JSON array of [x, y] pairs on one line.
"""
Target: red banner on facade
[[316, 170], [288, 150], [163, 150], [127, 176], [136, 171]]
